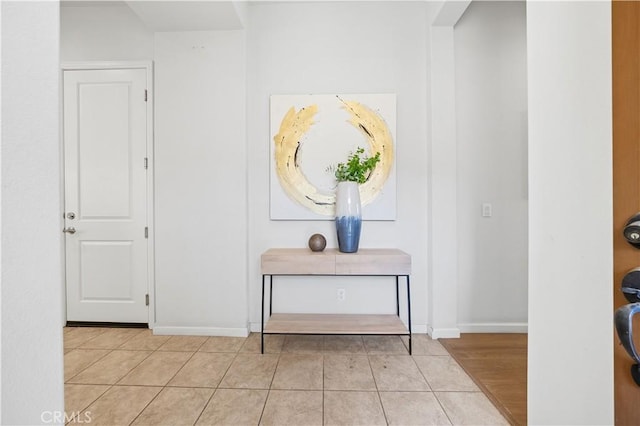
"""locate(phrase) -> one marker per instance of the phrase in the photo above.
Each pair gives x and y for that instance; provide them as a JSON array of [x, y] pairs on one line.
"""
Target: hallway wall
[[199, 165], [223, 112], [569, 74], [570, 358], [491, 101], [31, 305], [318, 50]]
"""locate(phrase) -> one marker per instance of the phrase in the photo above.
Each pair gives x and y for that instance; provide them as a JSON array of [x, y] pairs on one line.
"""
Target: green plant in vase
[[355, 171], [357, 168]]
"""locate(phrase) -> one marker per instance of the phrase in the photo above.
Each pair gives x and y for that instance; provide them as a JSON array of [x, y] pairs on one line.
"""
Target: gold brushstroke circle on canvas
[[288, 143]]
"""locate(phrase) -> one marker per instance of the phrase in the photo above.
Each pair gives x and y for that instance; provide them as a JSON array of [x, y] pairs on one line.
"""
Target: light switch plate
[[486, 210]]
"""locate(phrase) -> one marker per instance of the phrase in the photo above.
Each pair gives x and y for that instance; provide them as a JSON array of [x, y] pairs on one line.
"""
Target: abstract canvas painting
[[311, 133]]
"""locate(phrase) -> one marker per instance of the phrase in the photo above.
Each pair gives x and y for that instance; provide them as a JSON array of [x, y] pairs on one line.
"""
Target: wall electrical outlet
[[341, 294], [486, 210]]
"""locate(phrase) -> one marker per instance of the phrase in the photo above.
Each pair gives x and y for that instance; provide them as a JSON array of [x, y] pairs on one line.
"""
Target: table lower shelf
[[335, 324]]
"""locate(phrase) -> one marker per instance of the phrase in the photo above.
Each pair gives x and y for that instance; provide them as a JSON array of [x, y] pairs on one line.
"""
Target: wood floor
[[498, 365]]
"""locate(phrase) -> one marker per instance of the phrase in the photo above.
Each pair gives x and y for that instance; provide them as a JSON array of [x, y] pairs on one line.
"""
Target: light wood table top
[[302, 261]]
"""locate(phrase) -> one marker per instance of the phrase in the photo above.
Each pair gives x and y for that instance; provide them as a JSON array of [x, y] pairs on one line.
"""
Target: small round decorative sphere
[[317, 242]]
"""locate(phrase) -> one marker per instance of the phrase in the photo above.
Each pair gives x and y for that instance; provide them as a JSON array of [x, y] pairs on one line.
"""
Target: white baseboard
[[495, 327], [419, 328], [200, 331], [443, 333]]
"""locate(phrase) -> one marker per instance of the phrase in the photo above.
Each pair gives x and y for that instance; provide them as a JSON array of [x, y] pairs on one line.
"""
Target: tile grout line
[[110, 346], [121, 377], [91, 338], [433, 391], [179, 369], [111, 385], [221, 379], [504, 412], [235, 358], [148, 403], [258, 388], [132, 368], [421, 372], [97, 398], [324, 340], [204, 407], [156, 350], [119, 348], [165, 386], [271, 383], [375, 382], [109, 351], [95, 361], [84, 349]]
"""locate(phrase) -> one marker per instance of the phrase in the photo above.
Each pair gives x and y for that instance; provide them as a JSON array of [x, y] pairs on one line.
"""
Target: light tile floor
[[131, 377]]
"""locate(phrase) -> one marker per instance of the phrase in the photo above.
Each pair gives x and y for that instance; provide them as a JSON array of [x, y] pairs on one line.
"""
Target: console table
[[365, 262]]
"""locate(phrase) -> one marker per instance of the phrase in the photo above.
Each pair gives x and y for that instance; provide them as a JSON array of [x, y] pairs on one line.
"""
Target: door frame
[[626, 186], [150, 185]]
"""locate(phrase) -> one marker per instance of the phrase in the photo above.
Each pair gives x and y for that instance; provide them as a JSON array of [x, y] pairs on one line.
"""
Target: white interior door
[[105, 150]]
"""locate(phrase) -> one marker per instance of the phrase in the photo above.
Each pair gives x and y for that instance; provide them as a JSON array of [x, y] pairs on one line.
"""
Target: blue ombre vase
[[348, 216]]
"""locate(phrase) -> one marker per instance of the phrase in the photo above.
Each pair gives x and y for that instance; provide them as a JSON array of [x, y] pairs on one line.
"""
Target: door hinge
[[145, 95], [146, 162], [146, 232], [146, 299]]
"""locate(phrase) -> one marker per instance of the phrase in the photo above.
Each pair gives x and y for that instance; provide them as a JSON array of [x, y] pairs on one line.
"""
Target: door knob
[[632, 230], [624, 327], [630, 286], [70, 230]]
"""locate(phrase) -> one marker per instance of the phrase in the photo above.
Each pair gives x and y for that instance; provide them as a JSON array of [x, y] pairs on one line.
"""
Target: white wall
[[200, 90], [442, 287], [373, 47], [570, 360], [491, 102], [570, 374], [201, 182], [32, 371], [200, 161], [103, 33]]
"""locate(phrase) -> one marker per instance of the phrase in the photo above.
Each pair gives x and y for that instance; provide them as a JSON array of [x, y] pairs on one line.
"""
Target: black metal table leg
[[270, 294], [409, 312], [397, 298], [262, 319]]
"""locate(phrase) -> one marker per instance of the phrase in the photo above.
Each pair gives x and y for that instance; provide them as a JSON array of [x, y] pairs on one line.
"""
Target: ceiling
[[177, 15], [205, 15]]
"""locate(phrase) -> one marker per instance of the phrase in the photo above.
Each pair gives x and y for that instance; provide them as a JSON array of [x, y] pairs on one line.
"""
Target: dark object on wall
[[624, 317], [317, 242], [624, 327], [631, 285], [632, 230]]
